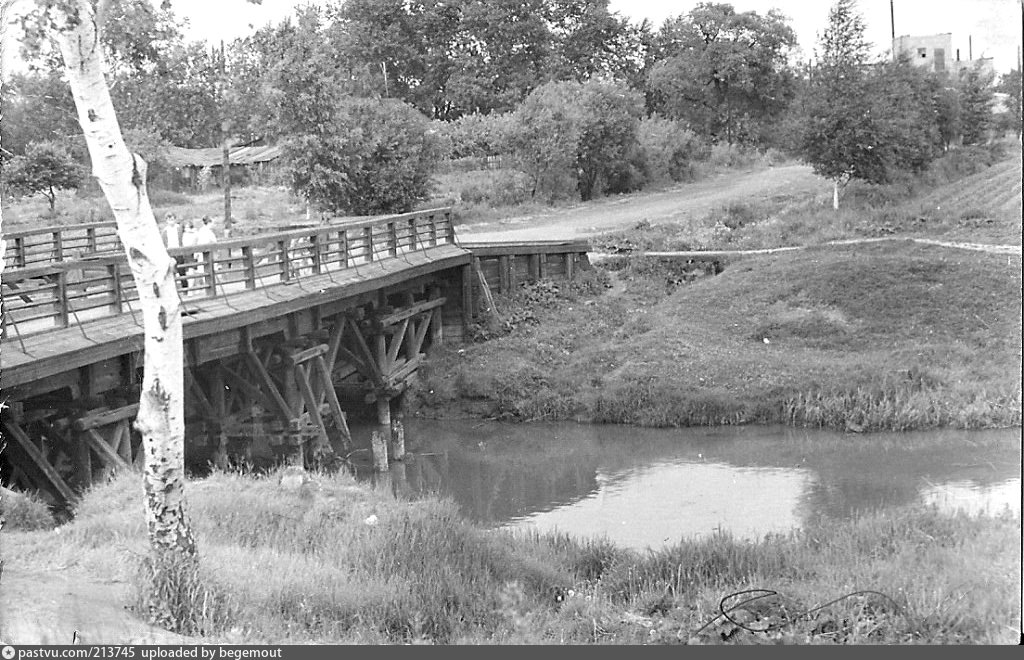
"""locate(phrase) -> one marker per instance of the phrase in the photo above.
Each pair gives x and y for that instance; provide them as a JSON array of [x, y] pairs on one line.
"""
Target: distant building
[[935, 51]]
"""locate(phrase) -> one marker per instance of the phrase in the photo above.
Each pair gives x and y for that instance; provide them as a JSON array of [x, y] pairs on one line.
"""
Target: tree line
[[366, 95]]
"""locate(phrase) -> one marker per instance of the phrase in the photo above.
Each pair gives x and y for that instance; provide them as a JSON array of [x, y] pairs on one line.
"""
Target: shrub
[[476, 135], [377, 157], [669, 150], [570, 135], [19, 511]]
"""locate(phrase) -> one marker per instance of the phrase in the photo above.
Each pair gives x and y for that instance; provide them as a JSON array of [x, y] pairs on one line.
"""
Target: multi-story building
[[935, 51]]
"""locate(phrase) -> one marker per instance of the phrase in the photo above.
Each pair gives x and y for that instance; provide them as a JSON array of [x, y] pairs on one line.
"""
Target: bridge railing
[[62, 294], [35, 247]]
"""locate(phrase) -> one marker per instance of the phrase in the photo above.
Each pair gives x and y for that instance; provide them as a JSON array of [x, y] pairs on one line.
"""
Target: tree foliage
[[724, 72], [375, 156], [1010, 84], [579, 135], [45, 168], [977, 95]]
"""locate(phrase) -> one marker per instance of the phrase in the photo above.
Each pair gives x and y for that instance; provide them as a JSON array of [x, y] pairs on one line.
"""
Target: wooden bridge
[[285, 335]]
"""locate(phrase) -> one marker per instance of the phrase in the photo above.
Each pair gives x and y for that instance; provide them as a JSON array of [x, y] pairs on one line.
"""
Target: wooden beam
[[282, 408], [200, 396], [106, 417], [467, 298], [302, 380], [334, 343], [396, 342], [34, 453], [504, 274], [375, 373], [308, 354], [105, 451], [407, 312], [332, 400]]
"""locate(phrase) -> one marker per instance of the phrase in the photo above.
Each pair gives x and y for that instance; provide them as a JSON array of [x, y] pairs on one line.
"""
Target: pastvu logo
[[8, 652]]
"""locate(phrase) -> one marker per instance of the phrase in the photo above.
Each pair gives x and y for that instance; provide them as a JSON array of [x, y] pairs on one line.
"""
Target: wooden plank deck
[[52, 352]]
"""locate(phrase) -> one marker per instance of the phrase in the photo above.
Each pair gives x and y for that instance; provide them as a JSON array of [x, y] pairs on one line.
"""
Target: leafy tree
[[567, 134], [977, 95], [377, 156], [37, 107], [607, 154], [724, 73], [546, 130], [1010, 84], [80, 31], [45, 168], [840, 132]]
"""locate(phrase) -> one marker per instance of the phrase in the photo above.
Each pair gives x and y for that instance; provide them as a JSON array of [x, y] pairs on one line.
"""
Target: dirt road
[[680, 202]]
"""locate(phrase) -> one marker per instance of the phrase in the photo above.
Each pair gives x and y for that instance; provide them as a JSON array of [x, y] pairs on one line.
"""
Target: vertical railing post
[[314, 245], [368, 240], [114, 273], [58, 247], [19, 251], [90, 239], [392, 239], [433, 230], [449, 228], [211, 272], [282, 247], [250, 267], [343, 241], [62, 297], [412, 232]]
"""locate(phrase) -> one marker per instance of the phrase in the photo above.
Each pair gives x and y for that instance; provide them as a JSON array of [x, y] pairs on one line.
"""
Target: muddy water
[[646, 488]]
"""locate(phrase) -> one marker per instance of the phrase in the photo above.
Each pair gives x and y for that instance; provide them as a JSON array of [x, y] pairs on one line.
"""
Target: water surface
[[648, 487]]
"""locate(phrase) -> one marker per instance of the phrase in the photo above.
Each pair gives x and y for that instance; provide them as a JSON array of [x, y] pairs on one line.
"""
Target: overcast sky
[[993, 25]]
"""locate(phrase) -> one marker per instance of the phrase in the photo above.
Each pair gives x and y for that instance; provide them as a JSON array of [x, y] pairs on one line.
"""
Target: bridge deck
[[47, 353]]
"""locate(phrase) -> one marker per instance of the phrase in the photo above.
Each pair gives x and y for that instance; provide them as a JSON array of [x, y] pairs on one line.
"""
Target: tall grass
[[282, 566]]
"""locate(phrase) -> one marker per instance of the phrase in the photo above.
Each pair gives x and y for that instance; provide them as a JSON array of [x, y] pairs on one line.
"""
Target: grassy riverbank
[[294, 566], [883, 336]]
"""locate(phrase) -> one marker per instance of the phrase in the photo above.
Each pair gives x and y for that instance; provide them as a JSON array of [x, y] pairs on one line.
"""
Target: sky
[[994, 26]]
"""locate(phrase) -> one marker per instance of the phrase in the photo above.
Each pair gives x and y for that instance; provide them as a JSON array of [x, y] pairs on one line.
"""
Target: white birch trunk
[[122, 176], [835, 194]]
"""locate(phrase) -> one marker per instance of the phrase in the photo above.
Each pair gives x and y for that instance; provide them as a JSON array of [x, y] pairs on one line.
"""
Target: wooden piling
[[397, 440], [379, 447]]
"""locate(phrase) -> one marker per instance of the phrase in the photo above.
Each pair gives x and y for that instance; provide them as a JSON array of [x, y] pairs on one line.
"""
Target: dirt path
[[51, 606], [673, 205]]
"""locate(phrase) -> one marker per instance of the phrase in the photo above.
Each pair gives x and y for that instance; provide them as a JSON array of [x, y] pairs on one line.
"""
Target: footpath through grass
[[882, 336], [305, 565]]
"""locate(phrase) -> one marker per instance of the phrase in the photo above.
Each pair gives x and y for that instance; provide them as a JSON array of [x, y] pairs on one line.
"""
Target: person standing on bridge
[[172, 237], [190, 238], [205, 232]]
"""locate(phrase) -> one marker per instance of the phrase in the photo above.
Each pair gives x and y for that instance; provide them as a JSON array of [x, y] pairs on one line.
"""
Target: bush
[[476, 135], [378, 157], [501, 188], [19, 511], [570, 135], [670, 150]]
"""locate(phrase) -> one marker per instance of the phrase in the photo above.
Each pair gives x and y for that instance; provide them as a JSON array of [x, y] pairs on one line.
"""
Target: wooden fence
[[62, 293]]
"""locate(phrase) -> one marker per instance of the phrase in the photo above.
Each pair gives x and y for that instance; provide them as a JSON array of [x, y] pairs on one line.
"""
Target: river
[[645, 488]]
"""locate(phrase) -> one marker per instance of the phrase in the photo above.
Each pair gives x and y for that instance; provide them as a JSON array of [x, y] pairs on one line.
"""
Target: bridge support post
[[379, 449], [397, 440]]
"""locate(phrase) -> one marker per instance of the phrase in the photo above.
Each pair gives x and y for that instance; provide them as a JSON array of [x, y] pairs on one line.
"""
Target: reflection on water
[[646, 487], [664, 502]]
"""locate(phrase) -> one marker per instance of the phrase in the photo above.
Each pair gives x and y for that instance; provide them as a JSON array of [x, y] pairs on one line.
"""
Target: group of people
[[176, 235]]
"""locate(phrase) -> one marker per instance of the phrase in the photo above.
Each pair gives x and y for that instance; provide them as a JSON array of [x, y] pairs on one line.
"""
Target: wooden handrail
[[57, 294]]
